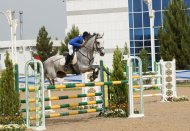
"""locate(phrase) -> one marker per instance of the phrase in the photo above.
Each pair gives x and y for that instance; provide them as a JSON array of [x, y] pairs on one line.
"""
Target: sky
[[36, 13]]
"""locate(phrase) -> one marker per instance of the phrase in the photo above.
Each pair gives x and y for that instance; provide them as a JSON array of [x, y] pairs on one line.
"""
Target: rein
[[88, 50]]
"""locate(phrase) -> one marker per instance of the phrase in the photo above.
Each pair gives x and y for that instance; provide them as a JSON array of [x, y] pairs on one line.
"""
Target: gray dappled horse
[[81, 63]]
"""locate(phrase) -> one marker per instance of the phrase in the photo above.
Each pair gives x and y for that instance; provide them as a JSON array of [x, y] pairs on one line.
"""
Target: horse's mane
[[90, 38]]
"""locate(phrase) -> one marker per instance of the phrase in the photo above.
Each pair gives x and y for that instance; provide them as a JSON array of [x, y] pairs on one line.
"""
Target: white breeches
[[70, 47]]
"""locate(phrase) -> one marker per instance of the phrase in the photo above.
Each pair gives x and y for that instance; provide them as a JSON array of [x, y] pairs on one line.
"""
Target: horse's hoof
[[91, 78]]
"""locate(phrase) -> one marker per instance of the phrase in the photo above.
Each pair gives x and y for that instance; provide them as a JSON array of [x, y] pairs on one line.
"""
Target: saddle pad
[[74, 61], [62, 61]]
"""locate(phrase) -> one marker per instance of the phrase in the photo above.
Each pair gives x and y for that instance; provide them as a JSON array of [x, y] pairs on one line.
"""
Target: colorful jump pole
[[39, 95], [130, 78]]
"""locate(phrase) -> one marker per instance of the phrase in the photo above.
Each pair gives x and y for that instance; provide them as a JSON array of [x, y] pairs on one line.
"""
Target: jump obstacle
[[165, 79], [39, 97], [39, 91]]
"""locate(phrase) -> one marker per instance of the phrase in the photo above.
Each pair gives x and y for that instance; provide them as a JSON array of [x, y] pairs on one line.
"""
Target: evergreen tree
[[44, 45], [63, 48], [119, 93], [174, 36], [9, 98], [144, 57], [71, 34], [125, 52]]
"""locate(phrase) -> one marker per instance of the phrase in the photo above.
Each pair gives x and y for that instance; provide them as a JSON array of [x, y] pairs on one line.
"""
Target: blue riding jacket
[[77, 41]]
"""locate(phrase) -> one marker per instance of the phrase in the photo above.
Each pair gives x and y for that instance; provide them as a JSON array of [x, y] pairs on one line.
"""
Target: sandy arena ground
[[159, 116]]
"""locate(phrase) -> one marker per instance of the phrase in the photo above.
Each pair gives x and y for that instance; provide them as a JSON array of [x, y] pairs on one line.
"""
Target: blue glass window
[[158, 19], [131, 34], [165, 4], [156, 4], [132, 51], [138, 43], [146, 19], [131, 43], [136, 62], [149, 64], [137, 20], [137, 50], [148, 49], [187, 3], [157, 43], [138, 34], [147, 43], [156, 50], [156, 33], [149, 68], [130, 20], [145, 6], [146, 33], [150, 59], [137, 6], [157, 57], [130, 5]]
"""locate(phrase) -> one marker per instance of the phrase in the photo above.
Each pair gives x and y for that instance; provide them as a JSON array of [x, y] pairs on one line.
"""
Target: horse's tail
[[45, 71]]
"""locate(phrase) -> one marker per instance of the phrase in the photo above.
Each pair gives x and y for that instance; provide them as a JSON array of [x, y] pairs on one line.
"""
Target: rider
[[76, 42]]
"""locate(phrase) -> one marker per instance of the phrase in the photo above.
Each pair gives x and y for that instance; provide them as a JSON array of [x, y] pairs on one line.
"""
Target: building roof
[[19, 43]]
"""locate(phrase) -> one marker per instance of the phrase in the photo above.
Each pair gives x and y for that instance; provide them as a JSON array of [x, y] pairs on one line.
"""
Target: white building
[[24, 48], [101, 16]]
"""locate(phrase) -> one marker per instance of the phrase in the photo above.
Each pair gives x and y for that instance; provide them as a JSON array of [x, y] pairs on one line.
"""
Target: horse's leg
[[84, 68], [45, 76], [51, 76], [95, 72], [94, 68], [50, 82], [53, 81]]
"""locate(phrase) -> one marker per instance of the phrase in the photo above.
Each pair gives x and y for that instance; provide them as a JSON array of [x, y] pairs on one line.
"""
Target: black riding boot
[[68, 59]]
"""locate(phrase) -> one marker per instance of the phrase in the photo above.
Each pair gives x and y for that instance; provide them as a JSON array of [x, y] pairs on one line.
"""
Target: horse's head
[[94, 45], [98, 46]]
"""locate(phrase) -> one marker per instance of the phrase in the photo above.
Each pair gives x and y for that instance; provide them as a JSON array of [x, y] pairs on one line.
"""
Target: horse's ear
[[101, 36], [98, 36]]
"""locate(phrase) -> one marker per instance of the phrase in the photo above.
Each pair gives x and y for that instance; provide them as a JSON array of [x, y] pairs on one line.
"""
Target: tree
[[9, 98], [144, 57], [119, 93], [44, 45], [174, 36], [71, 34], [125, 52], [63, 48]]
